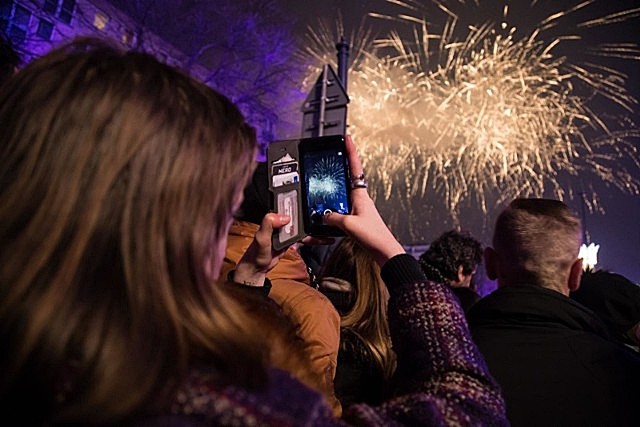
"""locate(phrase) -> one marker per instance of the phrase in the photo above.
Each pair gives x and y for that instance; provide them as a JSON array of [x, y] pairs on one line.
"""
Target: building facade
[[233, 66], [36, 26]]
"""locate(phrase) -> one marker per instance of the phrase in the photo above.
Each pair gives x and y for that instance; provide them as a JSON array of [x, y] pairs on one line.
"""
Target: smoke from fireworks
[[485, 113]]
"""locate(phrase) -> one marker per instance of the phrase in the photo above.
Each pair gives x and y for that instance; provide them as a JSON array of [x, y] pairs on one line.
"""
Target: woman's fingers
[[355, 164], [260, 256]]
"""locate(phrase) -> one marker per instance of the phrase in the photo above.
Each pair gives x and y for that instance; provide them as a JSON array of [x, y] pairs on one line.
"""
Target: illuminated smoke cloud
[[487, 116]]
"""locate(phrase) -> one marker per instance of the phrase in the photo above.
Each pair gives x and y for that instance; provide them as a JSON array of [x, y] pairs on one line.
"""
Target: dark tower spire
[[343, 61]]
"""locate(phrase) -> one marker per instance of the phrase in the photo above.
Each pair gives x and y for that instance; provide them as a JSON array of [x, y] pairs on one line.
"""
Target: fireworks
[[326, 178], [485, 113]]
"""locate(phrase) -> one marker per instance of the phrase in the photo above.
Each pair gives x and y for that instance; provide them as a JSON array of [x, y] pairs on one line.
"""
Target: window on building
[[45, 29], [62, 9], [127, 38], [15, 21], [66, 11], [50, 6], [6, 10], [100, 20]]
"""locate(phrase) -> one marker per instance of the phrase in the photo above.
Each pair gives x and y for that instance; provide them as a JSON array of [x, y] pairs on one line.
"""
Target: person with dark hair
[[616, 300], [119, 178], [366, 362], [453, 259], [553, 357]]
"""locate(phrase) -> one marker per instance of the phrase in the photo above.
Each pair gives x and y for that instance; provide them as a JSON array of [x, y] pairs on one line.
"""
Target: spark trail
[[482, 113]]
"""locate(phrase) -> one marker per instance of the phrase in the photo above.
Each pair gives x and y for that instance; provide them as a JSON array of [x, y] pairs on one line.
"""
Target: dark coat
[[359, 376], [554, 360], [614, 299], [466, 296]]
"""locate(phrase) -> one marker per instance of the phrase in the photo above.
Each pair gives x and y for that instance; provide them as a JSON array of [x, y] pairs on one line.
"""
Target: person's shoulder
[[282, 401], [293, 403], [243, 228], [488, 299], [291, 267], [467, 297], [304, 304], [292, 287], [497, 303]]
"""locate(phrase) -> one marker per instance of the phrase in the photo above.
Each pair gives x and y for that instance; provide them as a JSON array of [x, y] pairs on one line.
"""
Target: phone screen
[[325, 168]]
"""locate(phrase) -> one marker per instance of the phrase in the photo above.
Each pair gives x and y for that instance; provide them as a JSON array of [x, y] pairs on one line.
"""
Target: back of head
[[344, 261], [537, 241], [448, 252], [614, 298], [256, 202], [368, 314], [351, 262], [118, 178]]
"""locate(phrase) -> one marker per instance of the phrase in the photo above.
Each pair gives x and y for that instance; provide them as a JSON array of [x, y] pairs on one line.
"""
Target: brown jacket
[[317, 320]]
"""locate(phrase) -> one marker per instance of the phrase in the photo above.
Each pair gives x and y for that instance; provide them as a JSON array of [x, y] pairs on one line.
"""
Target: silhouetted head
[[536, 241], [455, 256]]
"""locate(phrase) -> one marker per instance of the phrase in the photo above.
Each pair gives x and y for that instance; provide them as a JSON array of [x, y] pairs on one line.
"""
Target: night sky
[[618, 230]]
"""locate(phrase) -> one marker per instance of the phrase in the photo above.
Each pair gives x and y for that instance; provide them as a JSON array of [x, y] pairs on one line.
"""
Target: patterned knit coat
[[442, 377]]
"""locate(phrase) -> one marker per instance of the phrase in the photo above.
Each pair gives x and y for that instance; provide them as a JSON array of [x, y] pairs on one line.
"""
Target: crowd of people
[[139, 286]]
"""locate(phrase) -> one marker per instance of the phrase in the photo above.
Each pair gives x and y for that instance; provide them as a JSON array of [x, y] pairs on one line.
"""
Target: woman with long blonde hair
[[119, 177], [351, 280]]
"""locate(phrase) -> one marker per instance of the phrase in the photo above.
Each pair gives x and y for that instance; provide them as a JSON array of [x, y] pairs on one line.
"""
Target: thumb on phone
[[260, 257]]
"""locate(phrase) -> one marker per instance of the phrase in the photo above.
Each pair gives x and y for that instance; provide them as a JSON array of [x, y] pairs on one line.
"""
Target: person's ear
[[491, 263], [461, 277], [463, 280], [575, 274]]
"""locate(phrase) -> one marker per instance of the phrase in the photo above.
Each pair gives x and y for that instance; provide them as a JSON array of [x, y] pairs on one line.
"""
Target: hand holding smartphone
[[325, 183], [364, 222], [309, 178]]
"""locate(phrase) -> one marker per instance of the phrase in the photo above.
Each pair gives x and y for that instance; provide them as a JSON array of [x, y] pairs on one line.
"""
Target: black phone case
[[284, 183]]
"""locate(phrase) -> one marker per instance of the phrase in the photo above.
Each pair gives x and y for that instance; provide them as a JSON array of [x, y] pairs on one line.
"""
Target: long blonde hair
[[119, 175], [368, 316]]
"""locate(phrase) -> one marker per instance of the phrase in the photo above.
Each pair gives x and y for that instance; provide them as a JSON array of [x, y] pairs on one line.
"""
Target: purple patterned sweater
[[442, 378]]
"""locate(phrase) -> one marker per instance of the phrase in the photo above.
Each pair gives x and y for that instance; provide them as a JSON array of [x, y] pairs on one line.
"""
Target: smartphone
[[325, 183]]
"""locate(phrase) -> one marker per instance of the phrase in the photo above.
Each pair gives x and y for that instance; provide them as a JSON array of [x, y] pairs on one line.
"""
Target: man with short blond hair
[[553, 357], [537, 241]]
